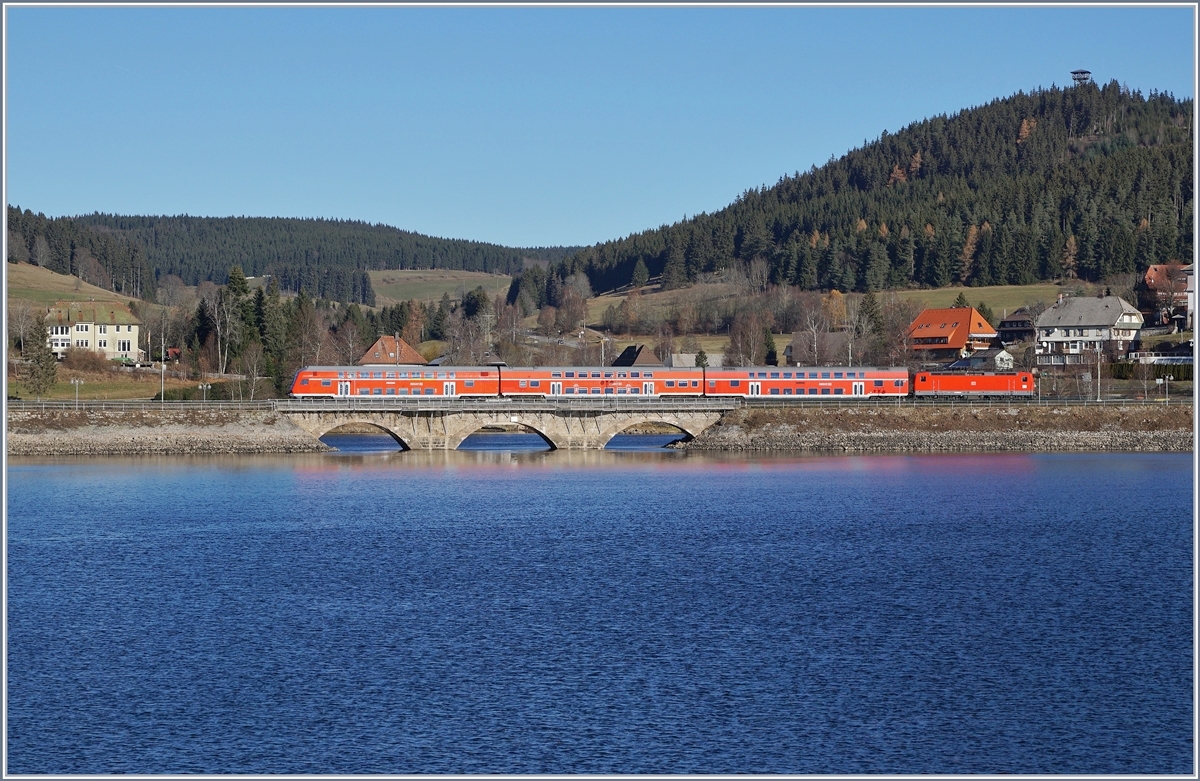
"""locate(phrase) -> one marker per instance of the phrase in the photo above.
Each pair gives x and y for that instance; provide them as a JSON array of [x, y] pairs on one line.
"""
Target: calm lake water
[[516, 611]]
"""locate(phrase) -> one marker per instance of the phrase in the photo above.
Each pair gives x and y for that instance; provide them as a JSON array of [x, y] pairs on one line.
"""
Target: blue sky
[[515, 125]]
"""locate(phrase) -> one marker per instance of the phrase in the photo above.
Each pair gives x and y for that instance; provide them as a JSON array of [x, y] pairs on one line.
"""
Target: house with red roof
[[950, 334], [391, 350]]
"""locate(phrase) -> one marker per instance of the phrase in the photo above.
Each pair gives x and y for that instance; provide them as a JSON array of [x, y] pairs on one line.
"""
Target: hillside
[[327, 258], [1083, 182]]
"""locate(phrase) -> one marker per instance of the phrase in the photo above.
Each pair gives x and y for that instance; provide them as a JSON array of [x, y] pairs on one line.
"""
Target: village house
[[637, 355], [1076, 328], [104, 327], [391, 350], [1020, 326], [992, 359], [949, 334]]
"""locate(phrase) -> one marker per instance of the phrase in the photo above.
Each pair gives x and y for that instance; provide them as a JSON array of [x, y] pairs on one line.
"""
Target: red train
[[815, 382]]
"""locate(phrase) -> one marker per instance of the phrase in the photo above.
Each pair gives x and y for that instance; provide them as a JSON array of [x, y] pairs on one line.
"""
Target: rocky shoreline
[[1133, 428], [850, 429]]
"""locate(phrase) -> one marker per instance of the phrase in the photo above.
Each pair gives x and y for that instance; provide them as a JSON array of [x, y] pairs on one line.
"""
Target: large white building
[[1074, 329], [105, 327]]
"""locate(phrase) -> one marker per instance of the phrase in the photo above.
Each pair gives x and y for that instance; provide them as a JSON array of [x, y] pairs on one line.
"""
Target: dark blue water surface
[[512, 612]]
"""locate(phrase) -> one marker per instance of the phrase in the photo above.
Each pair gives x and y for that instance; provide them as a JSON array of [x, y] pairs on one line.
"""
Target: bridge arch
[[358, 426], [613, 431], [687, 427], [457, 435]]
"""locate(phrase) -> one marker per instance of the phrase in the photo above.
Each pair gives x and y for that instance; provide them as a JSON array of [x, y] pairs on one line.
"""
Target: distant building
[[1074, 329], [391, 350], [1020, 326], [105, 327], [637, 355], [1166, 288], [947, 334], [992, 359], [688, 360]]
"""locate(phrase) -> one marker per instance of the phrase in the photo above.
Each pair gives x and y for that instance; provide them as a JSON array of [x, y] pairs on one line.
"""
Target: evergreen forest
[[1081, 182]]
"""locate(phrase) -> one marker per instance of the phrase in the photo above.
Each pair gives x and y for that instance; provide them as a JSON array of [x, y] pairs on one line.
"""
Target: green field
[[391, 287], [1002, 298]]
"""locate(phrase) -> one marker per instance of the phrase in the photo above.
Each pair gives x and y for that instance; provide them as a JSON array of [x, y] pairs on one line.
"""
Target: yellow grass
[[100, 386], [392, 287], [1001, 298], [43, 286]]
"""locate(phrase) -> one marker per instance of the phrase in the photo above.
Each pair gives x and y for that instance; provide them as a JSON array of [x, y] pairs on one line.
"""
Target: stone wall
[[67, 432]]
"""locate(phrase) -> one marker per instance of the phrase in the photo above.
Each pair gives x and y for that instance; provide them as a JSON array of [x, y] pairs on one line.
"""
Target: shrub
[[85, 360]]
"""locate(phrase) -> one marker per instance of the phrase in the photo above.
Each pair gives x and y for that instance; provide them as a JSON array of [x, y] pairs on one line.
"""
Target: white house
[[105, 327], [1074, 329]]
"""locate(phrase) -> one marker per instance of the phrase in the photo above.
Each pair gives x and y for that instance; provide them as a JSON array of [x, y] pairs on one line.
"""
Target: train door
[[856, 388], [448, 388], [648, 388], [755, 389], [556, 389], [343, 388]]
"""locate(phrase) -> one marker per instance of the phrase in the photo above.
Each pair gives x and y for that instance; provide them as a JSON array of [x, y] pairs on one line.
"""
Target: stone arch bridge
[[442, 424]]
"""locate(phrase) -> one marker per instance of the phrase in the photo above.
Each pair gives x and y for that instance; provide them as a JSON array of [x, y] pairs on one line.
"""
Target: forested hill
[[327, 258], [1085, 181]]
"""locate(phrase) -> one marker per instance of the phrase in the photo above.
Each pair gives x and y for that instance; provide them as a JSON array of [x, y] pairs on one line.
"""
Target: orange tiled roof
[[1158, 277], [949, 329], [384, 352]]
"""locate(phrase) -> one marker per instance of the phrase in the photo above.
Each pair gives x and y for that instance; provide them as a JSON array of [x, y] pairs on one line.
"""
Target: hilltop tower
[[1081, 77]]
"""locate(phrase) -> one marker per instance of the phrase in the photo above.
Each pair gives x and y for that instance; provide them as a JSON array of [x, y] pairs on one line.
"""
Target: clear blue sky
[[521, 126]]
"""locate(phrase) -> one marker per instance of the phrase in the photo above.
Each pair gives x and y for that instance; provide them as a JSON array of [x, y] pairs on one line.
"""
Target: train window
[[403, 391], [622, 390], [429, 375], [774, 391], [837, 391], [648, 375], [377, 392], [570, 390], [825, 375], [339, 375], [735, 383], [555, 374], [634, 390], [838, 375], [391, 391], [469, 383], [607, 375], [535, 383], [571, 374], [762, 375], [595, 375], [452, 375], [712, 383], [824, 391], [812, 375], [774, 375], [595, 391], [670, 383], [621, 375], [787, 391], [898, 383], [304, 381], [750, 375], [364, 375], [878, 383], [813, 391], [635, 375], [326, 383], [923, 378], [521, 384], [787, 375], [364, 391], [608, 390], [402, 375], [391, 375], [429, 391]]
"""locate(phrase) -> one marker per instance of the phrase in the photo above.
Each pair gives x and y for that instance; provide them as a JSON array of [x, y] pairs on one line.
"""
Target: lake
[[511, 610]]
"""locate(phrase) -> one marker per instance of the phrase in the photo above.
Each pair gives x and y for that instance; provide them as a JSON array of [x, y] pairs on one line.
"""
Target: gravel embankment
[[86, 433], [956, 429]]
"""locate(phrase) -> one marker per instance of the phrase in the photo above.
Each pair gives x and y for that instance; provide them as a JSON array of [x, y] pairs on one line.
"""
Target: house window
[[123, 346], [104, 329], [102, 344], [81, 343], [81, 327]]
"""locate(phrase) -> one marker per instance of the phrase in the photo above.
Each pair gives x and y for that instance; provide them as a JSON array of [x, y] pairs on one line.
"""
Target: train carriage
[[812, 382], [394, 381]]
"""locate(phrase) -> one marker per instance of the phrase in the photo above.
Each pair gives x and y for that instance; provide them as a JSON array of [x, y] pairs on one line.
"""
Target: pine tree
[[961, 302], [640, 275], [41, 371], [771, 356]]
